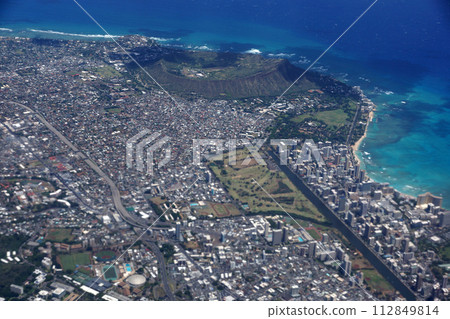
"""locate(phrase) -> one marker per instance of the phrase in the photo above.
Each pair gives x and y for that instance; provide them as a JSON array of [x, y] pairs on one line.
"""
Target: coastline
[[357, 144], [92, 37], [355, 147]]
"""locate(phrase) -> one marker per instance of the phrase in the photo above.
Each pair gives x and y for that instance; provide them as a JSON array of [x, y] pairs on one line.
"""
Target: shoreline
[[96, 38], [355, 147]]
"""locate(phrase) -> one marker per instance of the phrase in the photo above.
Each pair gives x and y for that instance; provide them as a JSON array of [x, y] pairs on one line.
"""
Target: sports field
[[105, 255], [71, 261], [110, 273], [59, 235], [219, 210]]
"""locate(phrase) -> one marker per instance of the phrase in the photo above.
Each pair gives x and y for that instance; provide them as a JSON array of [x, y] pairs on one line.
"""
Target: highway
[[51, 170], [162, 267], [114, 190], [374, 258]]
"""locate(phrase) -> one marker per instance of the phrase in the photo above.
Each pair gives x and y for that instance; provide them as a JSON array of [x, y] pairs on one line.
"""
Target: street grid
[[176, 104]]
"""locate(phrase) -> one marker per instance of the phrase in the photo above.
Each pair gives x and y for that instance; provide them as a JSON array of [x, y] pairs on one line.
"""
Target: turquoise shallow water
[[407, 143], [400, 46]]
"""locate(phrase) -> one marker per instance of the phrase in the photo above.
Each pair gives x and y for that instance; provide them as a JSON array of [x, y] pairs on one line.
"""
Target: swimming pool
[[128, 267]]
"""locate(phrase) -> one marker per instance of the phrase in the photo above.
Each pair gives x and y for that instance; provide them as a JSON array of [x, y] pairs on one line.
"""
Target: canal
[[356, 241]]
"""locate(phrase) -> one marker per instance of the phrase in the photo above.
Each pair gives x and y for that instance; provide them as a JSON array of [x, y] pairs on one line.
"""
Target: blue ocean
[[398, 53]]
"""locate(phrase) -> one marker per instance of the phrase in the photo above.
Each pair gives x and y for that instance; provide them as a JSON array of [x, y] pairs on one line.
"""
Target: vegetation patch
[[108, 72], [11, 243], [59, 235], [374, 280], [333, 119], [109, 272], [225, 74], [238, 180], [332, 123], [314, 233], [113, 109], [105, 255], [219, 210], [158, 200], [71, 262], [377, 282], [13, 274]]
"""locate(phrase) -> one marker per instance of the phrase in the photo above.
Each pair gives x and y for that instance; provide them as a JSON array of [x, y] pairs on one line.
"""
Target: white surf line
[[317, 59], [134, 60], [140, 236], [72, 34], [319, 243]]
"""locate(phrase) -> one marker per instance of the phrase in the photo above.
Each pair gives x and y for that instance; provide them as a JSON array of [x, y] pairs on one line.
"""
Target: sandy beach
[[355, 146]]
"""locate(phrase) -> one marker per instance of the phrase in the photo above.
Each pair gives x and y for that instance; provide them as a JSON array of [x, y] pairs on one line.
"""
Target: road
[[52, 170], [118, 203], [114, 190], [200, 269], [374, 258], [162, 266], [350, 131]]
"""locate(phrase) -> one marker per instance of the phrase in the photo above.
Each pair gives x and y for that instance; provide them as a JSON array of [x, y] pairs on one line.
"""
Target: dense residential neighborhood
[[80, 220]]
